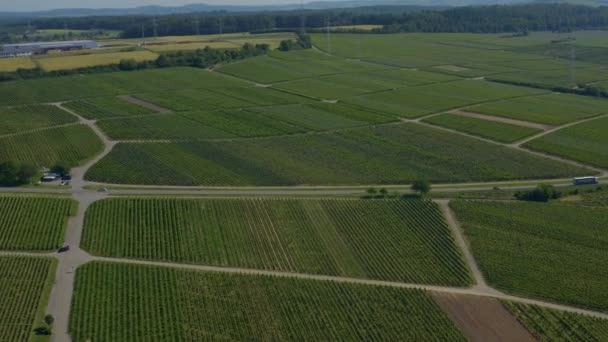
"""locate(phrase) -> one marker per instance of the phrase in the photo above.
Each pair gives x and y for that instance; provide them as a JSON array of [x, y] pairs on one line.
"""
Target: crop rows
[[121, 302], [71, 144], [555, 252], [19, 119], [72, 88], [24, 287], [33, 223], [552, 109], [106, 107], [393, 154], [586, 142], [553, 325], [502, 132], [427, 99], [389, 240]]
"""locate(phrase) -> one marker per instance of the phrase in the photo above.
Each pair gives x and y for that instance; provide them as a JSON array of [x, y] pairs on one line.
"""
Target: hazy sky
[[35, 5]]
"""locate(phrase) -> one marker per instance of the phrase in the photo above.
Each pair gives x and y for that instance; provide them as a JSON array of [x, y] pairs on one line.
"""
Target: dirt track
[[145, 104], [482, 319], [503, 120]]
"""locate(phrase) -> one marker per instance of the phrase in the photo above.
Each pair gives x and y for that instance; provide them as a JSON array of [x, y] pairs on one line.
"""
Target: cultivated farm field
[[391, 154], [552, 109], [549, 251], [498, 131], [99, 108], [26, 118], [586, 142], [388, 240], [177, 305], [70, 144], [24, 289], [552, 325], [33, 223]]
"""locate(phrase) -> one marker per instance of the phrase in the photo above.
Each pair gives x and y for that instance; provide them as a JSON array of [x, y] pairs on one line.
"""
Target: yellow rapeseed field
[[72, 62], [12, 64]]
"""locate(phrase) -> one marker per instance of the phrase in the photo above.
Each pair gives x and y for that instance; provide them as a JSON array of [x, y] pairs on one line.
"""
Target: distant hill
[[193, 8]]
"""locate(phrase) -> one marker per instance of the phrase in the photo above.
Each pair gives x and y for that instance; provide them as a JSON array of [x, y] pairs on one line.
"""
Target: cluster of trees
[[542, 193], [481, 19], [15, 174], [302, 42], [581, 89], [420, 187], [201, 58]]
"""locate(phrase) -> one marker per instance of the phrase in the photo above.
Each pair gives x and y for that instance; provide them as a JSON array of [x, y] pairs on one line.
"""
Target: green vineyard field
[[106, 107], [70, 144], [25, 118], [548, 251], [553, 325], [484, 128], [392, 154], [388, 240], [166, 304], [33, 223], [586, 142], [552, 109], [24, 289]]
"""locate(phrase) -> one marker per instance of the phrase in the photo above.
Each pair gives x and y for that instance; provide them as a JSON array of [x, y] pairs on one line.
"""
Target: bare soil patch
[[144, 104], [482, 318], [454, 68], [504, 120]]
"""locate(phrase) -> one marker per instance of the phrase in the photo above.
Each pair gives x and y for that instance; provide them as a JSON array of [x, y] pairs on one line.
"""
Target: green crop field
[[427, 99], [33, 223], [549, 251], [322, 116], [388, 240], [598, 198], [72, 88], [552, 109], [586, 142], [160, 127], [70, 144], [498, 131], [24, 289], [392, 154], [242, 123], [553, 325], [106, 107], [165, 304], [26, 118], [193, 99]]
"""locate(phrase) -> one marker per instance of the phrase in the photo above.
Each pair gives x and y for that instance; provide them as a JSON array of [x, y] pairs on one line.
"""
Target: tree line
[[201, 58], [481, 19]]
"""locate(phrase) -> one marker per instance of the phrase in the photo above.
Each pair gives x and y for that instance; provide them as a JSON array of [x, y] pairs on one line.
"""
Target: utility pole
[[328, 36], [572, 66], [197, 26], [302, 18], [155, 27]]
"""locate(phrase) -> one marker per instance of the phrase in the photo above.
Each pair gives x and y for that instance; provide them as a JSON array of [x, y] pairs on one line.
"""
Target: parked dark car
[[63, 249], [66, 177]]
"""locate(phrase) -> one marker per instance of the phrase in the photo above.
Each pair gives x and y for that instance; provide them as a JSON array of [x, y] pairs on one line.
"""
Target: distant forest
[[483, 19]]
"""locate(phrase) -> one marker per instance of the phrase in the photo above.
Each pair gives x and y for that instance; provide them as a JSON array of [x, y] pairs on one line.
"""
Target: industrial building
[[28, 49]]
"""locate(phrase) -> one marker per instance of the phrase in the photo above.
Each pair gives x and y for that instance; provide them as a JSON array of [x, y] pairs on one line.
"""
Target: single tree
[[49, 319], [422, 187]]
